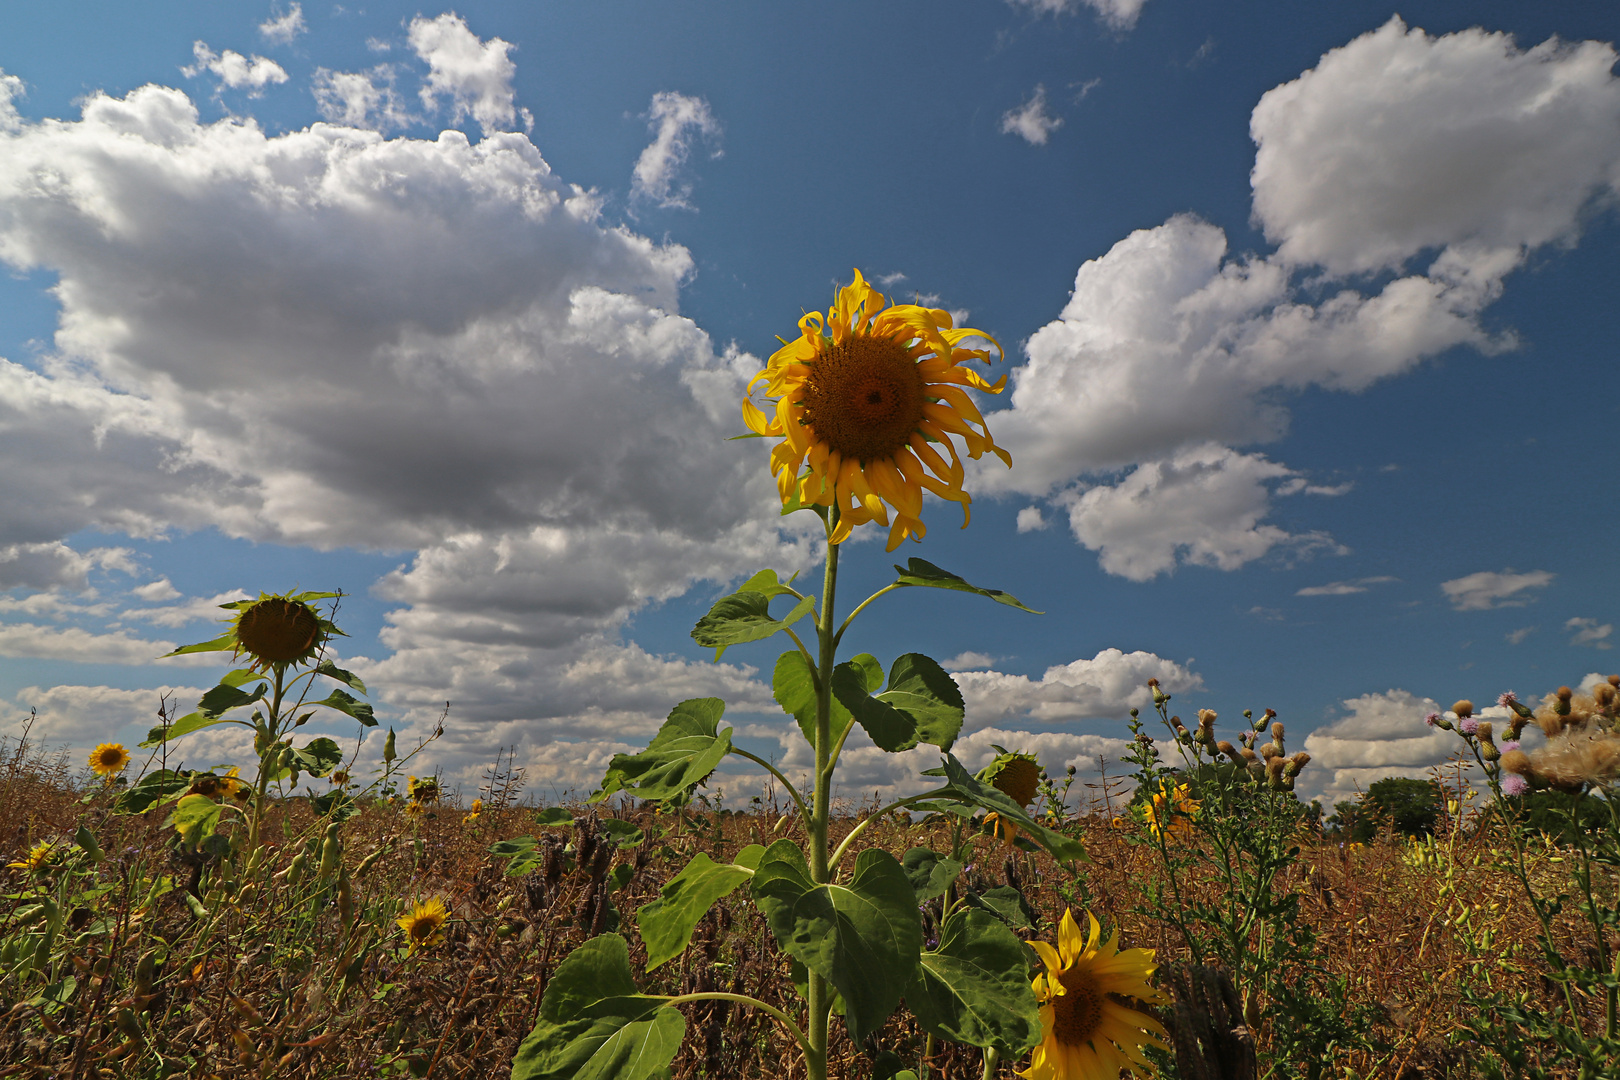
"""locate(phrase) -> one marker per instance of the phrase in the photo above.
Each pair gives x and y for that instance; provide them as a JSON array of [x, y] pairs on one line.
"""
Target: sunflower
[[865, 397], [1171, 810], [109, 759], [1087, 1033], [39, 856], [423, 789], [1015, 775], [473, 812], [423, 925]]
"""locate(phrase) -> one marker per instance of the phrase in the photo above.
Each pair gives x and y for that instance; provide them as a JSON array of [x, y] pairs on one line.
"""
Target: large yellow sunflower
[[866, 397], [38, 857], [109, 759], [1086, 1032], [423, 925]]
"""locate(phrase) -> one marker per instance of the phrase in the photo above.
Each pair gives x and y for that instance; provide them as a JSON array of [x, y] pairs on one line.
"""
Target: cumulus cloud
[[198, 609], [1030, 519], [1381, 735], [1202, 507], [53, 565], [1116, 14], [31, 641], [235, 71], [1030, 121], [674, 119], [364, 99], [281, 29], [1590, 632], [1396, 145], [476, 76], [1107, 686], [1488, 589], [81, 716], [1343, 588]]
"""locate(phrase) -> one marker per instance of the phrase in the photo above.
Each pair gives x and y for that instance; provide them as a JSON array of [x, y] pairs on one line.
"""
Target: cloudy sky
[[1310, 327]]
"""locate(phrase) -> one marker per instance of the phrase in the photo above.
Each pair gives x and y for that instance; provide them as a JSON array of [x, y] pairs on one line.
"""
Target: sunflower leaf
[[924, 573], [220, 644], [794, 689], [966, 788], [745, 616], [152, 788], [194, 818], [317, 757], [595, 1024], [929, 872], [863, 937], [682, 755], [349, 706], [211, 710], [922, 703], [666, 924], [974, 988], [347, 678]]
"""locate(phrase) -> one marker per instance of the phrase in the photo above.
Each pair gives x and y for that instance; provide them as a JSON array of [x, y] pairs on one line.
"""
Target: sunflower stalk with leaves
[[285, 638], [867, 403]]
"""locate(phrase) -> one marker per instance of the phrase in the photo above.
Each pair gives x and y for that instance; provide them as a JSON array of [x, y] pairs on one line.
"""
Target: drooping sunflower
[[865, 399], [39, 856], [423, 924], [1087, 1033], [275, 631], [1016, 775], [109, 759], [1171, 810], [423, 789]]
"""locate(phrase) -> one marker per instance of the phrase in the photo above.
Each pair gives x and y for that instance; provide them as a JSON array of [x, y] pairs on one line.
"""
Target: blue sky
[[1309, 324]]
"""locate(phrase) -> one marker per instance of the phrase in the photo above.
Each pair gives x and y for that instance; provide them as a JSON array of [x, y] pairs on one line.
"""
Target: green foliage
[[794, 686], [975, 987], [745, 616], [920, 572], [666, 924], [929, 872], [1566, 816], [922, 703], [1411, 807], [682, 755]]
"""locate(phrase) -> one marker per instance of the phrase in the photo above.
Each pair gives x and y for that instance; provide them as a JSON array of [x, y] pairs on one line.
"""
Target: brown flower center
[[1018, 780], [277, 630], [864, 398], [424, 928], [1078, 1013]]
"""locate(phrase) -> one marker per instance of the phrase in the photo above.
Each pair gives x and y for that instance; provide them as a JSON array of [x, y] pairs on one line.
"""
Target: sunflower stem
[[272, 735], [991, 1060], [820, 993]]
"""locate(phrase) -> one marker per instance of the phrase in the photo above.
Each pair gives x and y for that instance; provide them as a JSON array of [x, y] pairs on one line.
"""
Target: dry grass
[[280, 987]]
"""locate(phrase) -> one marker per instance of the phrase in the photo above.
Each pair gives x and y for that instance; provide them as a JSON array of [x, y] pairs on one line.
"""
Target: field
[[167, 963]]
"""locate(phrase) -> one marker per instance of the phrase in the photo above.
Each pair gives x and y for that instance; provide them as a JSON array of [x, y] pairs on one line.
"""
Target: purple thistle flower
[[1431, 719], [1511, 744], [1514, 784], [1508, 699], [1469, 725]]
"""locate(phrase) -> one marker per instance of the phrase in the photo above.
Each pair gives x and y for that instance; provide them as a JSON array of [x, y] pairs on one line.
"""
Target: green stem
[[744, 999], [272, 724], [991, 1060], [768, 767], [820, 993], [886, 589]]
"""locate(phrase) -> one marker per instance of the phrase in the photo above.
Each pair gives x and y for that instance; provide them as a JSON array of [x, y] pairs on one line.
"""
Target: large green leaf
[[211, 710], [317, 757], [223, 643], [929, 872], [150, 789], [347, 678], [595, 1023], [349, 706], [683, 754], [965, 787], [974, 988], [666, 924], [924, 573], [1003, 902], [862, 937], [744, 616], [523, 851], [922, 703], [795, 691], [195, 817]]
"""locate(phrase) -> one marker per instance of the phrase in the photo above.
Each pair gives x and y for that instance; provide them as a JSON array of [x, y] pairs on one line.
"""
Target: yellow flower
[[1086, 1032], [867, 397], [422, 789], [1171, 811], [38, 857], [472, 814], [424, 922], [109, 759], [1016, 776]]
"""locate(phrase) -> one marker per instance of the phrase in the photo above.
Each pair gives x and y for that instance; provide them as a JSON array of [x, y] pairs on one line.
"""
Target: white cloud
[[364, 99], [1343, 588], [1107, 686], [235, 71], [1590, 632], [53, 565], [967, 661], [1030, 519], [156, 592], [1116, 14], [673, 119], [1030, 121], [198, 609], [1203, 507], [81, 716], [281, 29], [1487, 589], [475, 75], [1382, 735], [33, 642], [1520, 634], [1400, 142]]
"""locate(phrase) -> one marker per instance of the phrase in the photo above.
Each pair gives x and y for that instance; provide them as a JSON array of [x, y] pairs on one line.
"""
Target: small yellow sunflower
[[423, 789], [423, 925], [1086, 1032], [473, 812], [39, 856], [866, 396], [109, 759], [1171, 810]]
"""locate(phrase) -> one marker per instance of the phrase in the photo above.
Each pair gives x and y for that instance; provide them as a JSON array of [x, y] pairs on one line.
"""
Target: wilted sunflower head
[[422, 925], [109, 759], [865, 399], [278, 630], [1016, 775]]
